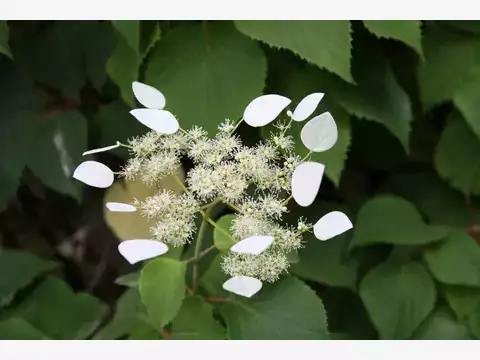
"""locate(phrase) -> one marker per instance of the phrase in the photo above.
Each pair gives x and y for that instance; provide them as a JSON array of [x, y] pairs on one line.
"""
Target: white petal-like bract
[[148, 96], [243, 285], [253, 245], [94, 174], [306, 180], [307, 106], [331, 225], [161, 121], [264, 109], [120, 207], [141, 249], [106, 148], [320, 133]]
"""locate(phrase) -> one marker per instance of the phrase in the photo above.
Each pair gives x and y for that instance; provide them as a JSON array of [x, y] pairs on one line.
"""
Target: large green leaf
[[18, 329], [222, 241], [130, 315], [327, 262], [286, 310], [323, 43], [18, 269], [4, 36], [456, 260], [459, 165], [162, 289], [130, 30], [407, 31], [398, 298], [18, 100], [466, 99], [213, 278], [195, 321], [208, 72], [390, 219], [442, 325], [449, 58], [59, 144], [55, 310]]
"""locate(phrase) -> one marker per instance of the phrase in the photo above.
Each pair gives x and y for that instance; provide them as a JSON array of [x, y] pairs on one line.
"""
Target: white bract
[[264, 109], [94, 174], [141, 249], [120, 207], [106, 148], [243, 285], [307, 106], [331, 225], [148, 96], [306, 180], [161, 121], [253, 245], [320, 133]]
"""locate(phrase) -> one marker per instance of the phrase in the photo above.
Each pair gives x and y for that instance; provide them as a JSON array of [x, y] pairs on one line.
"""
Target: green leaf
[[129, 280], [327, 262], [162, 289], [195, 321], [456, 260], [449, 58], [377, 97], [323, 43], [442, 325], [217, 70], [114, 123], [222, 241], [466, 101], [19, 268], [286, 310], [18, 329], [213, 278], [59, 144], [18, 100], [398, 298], [441, 204], [390, 219], [55, 310], [130, 315], [463, 300], [459, 165], [472, 26], [4, 36], [474, 322], [130, 30], [407, 31]]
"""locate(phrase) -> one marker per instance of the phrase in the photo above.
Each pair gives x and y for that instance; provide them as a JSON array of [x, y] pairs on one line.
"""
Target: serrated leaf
[[216, 68], [19, 268], [162, 289], [406, 31], [398, 298], [18, 329], [327, 262], [323, 43], [130, 314], [286, 310], [449, 58], [459, 165], [462, 300], [195, 321], [441, 204], [442, 325], [55, 310], [222, 241], [466, 99], [390, 219], [377, 96], [4, 36], [455, 261], [18, 111], [59, 144]]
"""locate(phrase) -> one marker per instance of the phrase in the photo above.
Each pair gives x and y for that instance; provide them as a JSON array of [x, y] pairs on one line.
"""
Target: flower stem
[[236, 126]]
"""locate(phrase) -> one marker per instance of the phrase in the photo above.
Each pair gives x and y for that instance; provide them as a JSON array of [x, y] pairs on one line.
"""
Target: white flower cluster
[[256, 182]]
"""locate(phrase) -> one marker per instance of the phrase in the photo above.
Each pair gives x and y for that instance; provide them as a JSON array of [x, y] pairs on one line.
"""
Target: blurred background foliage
[[406, 169]]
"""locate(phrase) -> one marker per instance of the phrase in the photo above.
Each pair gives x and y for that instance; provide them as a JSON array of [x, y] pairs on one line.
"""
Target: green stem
[[198, 248], [236, 126], [306, 156]]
